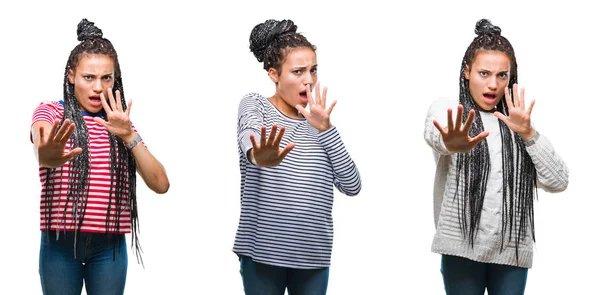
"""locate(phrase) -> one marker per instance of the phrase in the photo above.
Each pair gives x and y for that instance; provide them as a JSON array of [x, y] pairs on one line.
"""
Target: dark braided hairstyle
[[122, 191], [473, 168], [270, 40]]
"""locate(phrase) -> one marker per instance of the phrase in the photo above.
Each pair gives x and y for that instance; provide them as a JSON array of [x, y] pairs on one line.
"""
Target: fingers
[[318, 95], [105, 106], [263, 136], [459, 117], [469, 121], [118, 103], [61, 131], [531, 106], [272, 134], [279, 136], [331, 106], [111, 99], [500, 116], [128, 108], [253, 140], [450, 122], [101, 121], [522, 98], [509, 101], [63, 140], [302, 110], [324, 98], [475, 140], [286, 150], [73, 153], [439, 127], [309, 96]]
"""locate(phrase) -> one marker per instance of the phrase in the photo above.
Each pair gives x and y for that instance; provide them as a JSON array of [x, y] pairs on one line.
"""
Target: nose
[[493, 83], [97, 86], [308, 79]]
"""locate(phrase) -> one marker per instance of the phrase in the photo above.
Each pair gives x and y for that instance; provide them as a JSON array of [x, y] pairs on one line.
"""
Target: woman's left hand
[[118, 120], [318, 117], [519, 118]]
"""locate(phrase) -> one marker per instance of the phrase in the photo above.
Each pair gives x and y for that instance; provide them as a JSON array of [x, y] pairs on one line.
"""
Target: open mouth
[[489, 96], [95, 100], [303, 96]]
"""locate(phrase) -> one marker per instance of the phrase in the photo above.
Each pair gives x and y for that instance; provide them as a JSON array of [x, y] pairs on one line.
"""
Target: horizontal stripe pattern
[[285, 215], [99, 181]]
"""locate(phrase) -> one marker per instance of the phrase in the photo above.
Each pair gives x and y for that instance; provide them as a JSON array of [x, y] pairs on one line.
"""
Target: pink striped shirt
[[99, 180]]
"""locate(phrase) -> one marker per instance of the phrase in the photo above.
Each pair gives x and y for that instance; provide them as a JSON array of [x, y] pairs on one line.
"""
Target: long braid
[[122, 192], [473, 168]]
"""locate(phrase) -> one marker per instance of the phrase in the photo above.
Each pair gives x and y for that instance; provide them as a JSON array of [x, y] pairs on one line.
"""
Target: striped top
[[286, 210], [552, 176], [99, 179]]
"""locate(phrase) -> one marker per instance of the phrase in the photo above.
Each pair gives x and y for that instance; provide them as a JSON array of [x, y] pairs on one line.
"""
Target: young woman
[[285, 233], [490, 161], [89, 152]]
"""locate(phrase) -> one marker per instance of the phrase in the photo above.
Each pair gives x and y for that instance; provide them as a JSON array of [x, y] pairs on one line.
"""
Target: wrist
[[526, 136], [132, 140]]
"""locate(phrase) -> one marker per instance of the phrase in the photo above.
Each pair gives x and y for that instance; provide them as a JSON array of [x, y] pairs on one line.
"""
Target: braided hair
[[122, 190], [473, 168]]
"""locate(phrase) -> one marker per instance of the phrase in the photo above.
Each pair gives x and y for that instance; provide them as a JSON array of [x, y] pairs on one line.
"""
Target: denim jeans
[[464, 276], [263, 279], [100, 261]]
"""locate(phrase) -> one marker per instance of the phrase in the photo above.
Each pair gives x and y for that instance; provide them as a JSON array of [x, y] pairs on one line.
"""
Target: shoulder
[[49, 109]]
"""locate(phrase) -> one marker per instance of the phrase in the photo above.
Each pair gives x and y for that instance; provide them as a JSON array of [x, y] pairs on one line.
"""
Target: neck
[[284, 107]]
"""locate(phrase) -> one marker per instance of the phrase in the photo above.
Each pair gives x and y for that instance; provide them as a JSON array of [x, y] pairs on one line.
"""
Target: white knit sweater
[[552, 176]]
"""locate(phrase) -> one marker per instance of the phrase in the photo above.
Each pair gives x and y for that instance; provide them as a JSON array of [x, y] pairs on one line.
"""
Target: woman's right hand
[[456, 136], [267, 154], [51, 145]]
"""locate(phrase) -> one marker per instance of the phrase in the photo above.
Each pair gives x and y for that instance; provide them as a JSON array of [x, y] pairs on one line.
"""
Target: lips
[[95, 100], [303, 97]]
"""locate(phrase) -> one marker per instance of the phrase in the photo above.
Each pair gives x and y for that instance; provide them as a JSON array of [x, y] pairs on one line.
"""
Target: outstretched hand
[[456, 135], [268, 154], [319, 114], [519, 118], [118, 122], [51, 148]]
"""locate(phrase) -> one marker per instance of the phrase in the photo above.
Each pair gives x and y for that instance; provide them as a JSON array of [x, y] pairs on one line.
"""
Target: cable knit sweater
[[552, 176]]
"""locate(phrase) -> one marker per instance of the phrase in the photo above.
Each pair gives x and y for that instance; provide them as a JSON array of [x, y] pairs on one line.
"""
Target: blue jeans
[[464, 276], [263, 279], [100, 262]]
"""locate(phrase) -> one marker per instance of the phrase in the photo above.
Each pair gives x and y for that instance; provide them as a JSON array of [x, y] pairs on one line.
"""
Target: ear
[[274, 75], [467, 72], [71, 76]]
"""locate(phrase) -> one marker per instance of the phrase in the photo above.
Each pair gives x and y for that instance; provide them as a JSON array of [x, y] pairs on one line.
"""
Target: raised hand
[[519, 118], [267, 154], [51, 147], [318, 116], [118, 120], [456, 136]]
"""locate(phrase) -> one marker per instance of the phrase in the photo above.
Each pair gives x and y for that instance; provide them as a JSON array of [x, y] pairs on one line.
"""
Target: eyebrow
[[94, 75], [303, 67]]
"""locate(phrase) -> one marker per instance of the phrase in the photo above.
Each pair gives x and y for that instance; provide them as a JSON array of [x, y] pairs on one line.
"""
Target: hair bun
[[263, 34], [87, 30], [485, 27]]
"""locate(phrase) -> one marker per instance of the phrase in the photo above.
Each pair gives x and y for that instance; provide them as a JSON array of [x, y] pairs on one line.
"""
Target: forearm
[[552, 171], [150, 169], [347, 177]]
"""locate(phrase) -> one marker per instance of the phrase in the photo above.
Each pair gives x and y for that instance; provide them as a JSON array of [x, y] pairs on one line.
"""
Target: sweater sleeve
[[346, 176], [552, 171], [250, 122]]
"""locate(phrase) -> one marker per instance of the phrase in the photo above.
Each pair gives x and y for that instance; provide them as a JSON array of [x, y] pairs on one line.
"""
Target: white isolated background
[[186, 66]]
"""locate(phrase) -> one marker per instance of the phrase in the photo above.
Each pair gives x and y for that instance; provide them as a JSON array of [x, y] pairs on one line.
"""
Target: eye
[[503, 75], [313, 71], [483, 73], [88, 77], [107, 78], [297, 72]]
